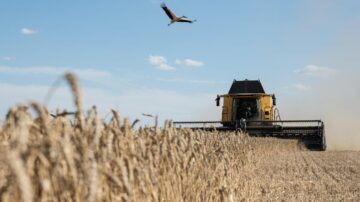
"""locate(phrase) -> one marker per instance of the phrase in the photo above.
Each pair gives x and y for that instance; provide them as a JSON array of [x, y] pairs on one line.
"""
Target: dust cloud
[[340, 98], [335, 101]]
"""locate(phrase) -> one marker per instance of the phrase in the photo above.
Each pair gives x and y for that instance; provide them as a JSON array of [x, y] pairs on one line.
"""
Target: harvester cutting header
[[248, 108]]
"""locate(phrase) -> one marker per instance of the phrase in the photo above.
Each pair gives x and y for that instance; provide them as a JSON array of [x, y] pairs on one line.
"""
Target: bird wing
[[185, 20], [168, 11]]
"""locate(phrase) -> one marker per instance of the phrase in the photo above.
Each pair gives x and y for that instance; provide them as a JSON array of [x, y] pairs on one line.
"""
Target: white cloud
[[316, 71], [298, 87], [193, 63], [89, 74], [28, 31], [160, 62], [189, 63], [157, 60], [8, 58], [165, 67]]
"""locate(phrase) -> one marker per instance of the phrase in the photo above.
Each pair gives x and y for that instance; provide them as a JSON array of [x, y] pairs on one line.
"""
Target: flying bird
[[173, 17]]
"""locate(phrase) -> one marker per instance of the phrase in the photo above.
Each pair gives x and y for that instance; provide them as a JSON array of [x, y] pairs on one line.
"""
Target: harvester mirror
[[217, 101]]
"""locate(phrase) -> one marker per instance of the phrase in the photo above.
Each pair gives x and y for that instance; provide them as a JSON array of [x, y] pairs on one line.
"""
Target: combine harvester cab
[[248, 108]]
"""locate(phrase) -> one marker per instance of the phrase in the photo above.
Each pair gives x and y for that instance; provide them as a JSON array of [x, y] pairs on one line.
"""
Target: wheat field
[[84, 158]]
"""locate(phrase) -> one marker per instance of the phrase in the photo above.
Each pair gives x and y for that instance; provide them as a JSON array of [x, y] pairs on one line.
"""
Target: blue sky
[[122, 50]]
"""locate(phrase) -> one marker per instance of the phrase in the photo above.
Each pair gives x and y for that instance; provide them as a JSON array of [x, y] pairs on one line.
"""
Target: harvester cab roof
[[246, 86]]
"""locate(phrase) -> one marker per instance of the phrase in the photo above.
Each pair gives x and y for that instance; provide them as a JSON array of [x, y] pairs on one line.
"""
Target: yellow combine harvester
[[248, 108]]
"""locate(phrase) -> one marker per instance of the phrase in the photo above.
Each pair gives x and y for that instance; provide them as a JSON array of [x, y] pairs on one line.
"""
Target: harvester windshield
[[246, 108]]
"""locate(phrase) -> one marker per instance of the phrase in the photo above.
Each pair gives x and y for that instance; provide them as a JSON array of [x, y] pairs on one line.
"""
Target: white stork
[[173, 17]]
